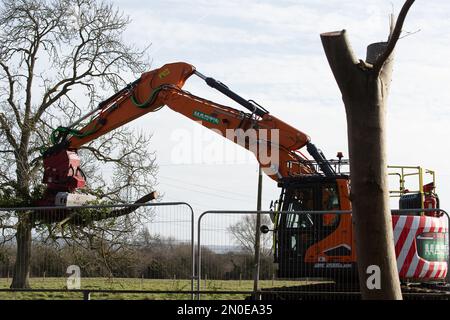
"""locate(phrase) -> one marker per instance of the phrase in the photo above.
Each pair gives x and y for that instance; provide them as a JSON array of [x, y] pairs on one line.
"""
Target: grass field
[[136, 284]]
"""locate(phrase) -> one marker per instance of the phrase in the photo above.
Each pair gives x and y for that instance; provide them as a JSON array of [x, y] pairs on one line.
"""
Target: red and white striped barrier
[[409, 264]]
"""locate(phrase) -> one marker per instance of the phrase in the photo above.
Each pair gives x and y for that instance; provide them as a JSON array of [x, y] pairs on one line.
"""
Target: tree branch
[[340, 56], [11, 93], [378, 65], [8, 132], [102, 157]]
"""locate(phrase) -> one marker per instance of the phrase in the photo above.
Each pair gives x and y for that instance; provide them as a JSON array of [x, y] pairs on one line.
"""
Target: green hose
[[60, 132], [149, 101]]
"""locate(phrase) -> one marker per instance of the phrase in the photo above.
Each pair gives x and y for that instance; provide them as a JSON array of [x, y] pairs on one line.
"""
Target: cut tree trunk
[[23, 254], [364, 93]]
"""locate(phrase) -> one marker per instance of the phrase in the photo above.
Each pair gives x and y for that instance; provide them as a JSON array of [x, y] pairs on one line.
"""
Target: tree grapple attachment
[[63, 175], [62, 171]]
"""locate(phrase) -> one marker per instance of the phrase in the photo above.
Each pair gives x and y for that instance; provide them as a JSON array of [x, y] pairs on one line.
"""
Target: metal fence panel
[[314, 256], [149, 253], [158, 260]]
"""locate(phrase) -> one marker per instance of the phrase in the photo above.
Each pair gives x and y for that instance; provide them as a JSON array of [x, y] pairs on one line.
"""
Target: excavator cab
[[309, 244], [321, 244]]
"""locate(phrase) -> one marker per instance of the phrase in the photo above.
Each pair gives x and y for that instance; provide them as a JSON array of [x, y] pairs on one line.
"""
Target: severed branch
[[77, 219], [121, 212]]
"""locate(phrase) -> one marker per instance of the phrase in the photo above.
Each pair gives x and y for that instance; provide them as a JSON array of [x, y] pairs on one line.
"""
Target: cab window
[[301, 200], [330, 202]]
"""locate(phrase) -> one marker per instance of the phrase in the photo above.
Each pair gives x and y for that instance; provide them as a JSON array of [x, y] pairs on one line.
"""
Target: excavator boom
[[132, 102], [275, 143]]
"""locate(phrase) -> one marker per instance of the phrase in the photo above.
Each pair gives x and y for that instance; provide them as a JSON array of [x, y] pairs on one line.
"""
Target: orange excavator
[[305, 245]]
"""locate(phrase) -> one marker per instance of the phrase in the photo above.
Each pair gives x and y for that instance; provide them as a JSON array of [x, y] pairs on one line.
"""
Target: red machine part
[[62, 171], [430, 200]]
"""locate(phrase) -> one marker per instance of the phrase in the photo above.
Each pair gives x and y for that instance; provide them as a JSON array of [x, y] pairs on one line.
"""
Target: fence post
[[192, 249], [258, 234], [86, 295], [199, 254], [447, 278]]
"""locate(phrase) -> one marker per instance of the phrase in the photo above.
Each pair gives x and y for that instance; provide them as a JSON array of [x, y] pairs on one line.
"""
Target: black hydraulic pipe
[[129, 87], [321, 160], [234, 96]]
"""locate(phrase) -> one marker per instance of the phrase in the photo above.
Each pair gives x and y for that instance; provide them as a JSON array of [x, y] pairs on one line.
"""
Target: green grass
[[136, 284]]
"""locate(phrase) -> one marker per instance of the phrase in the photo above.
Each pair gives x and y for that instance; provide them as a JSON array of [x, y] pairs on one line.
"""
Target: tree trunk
[[25, 224], [23, 254], [364, 93]]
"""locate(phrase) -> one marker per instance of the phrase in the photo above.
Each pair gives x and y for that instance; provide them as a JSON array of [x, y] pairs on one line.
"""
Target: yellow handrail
[[405, 172]]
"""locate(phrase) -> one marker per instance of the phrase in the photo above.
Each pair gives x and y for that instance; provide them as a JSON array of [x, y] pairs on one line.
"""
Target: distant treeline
[[155, 259]]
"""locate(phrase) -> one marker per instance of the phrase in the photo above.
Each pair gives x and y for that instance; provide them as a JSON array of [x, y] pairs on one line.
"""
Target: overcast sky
[[270, 51]]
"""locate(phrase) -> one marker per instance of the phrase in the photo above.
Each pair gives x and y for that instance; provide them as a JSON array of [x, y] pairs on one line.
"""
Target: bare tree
[[243, 233], [365, 86], [57, 60]]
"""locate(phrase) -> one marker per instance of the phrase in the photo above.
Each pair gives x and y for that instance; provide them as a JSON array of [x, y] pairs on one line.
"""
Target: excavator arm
[[274, 143], [256, 130]]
